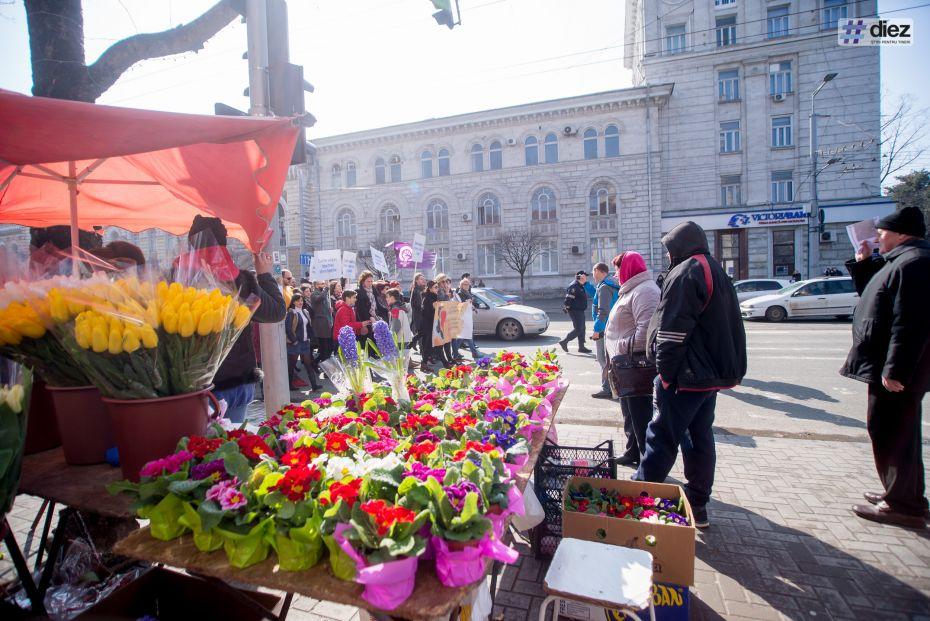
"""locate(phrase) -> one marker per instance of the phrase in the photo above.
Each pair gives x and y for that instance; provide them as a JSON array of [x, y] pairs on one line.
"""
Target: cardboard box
[[673, 551], [670, 600]]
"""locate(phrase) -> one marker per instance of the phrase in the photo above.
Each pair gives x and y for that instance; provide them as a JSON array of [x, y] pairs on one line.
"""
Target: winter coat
[[428, 314], [630, 314], [345, 316], [891, 333], [604, 297], [416, 305], [696, 335], [576, 297], [292, 330], [400, 322], [321, 313], [240, 365], [366, 305]]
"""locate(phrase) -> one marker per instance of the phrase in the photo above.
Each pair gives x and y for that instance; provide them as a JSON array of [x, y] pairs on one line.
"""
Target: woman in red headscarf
[[626, 328]]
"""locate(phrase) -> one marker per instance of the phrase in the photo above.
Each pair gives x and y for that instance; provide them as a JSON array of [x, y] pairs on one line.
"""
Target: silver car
[[508, 321]]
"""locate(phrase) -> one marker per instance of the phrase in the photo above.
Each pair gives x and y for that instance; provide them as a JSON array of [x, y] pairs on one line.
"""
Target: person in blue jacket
[[605, 294], [575, 304]]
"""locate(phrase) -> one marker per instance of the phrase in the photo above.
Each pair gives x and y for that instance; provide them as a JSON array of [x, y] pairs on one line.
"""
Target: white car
[[508, 321], [818, 297], [756, 287]]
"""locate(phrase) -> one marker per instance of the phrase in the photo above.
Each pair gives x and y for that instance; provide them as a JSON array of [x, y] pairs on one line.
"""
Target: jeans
[[894, 424], [637, 412], [578, 320], [237, 399], [685, 419], [600, 349]]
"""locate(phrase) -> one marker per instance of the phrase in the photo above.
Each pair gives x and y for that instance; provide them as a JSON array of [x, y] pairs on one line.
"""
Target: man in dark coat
[[575, 304], [697, 341], [891, 352]]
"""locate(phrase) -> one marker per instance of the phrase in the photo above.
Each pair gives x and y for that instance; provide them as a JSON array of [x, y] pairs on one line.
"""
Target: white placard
[[349, 271], [326, 265], [863, 231], [377, 259], [419, 243]]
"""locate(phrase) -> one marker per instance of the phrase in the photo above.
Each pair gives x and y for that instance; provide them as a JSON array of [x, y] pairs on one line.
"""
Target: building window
[[389, 220], [443, 162], [395, 168], [379, 170], [336, 176], [732, 253], [477, 158], [781, 131], [729, 137], [675, 39], [551, 147], [345, 230], [778, 22], [486, 259], [496, 156], [350, 175], [782, 186], [544, 207], [548, 260], [783, 253], [726, 31], [590, 144], [833, 12], [531, 150], [602, 201], [437, 216], [603, 249], [426, 164], [731, 191], [724, 2], [780, 78], [728, 85], [442, 264], [611, 141], [489, 210]]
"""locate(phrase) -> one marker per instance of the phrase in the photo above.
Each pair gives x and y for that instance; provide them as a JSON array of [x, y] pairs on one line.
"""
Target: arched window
[[531, 150], [437, 215], [443, 162], [426, 164], [477, 158], [497, 157], [379, 170], [544, 207], [389, 220], [395, 168], [345, 230], [611, 141], [489, 210], [552, 148], [590, 144], [336, 176], [350, 175], [602, 200]]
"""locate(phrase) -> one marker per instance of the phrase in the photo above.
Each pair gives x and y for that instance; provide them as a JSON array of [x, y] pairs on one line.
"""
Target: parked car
[[507, 321], [507, 298], [818, 297], [756, 287]]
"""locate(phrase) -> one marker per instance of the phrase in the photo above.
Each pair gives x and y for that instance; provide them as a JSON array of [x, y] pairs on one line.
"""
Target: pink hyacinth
[[166, 465]]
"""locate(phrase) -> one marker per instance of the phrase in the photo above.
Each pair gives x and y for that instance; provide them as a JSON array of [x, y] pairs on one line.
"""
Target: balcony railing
[[545, 227], [487, 232], [603, 223], [437, 236], [347, 243]]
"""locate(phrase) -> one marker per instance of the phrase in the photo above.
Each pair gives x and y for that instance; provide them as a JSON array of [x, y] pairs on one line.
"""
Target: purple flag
[[403, 252]]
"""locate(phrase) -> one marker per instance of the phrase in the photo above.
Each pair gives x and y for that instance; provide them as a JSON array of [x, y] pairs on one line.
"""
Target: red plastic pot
[[41, 428], [149, 429], [83, 423]]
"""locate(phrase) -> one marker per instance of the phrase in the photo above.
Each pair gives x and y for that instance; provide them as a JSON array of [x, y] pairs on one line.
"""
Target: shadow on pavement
[[795, 410], [795, 391], [796, 573], [728, 437]]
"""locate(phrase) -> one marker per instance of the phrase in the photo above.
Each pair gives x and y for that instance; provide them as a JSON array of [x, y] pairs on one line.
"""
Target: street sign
[[305, 258]]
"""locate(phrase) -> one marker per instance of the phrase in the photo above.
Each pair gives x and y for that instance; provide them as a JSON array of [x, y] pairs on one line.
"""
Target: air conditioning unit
[[778, 97], [466, 217], [827, 237], [461, 256], [511, 142], [568, 131], [576, 249]]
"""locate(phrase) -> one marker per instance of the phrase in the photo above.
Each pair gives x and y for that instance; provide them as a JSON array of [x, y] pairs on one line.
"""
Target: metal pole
[[813, 233], [75, 232], [275, 384]]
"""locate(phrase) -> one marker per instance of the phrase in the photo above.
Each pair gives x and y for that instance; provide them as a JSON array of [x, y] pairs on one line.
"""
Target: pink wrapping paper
[[387, 585], [464, 567], [519, 462], [504, 386]]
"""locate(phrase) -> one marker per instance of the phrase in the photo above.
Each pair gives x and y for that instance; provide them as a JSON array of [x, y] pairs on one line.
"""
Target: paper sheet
[[863, 231]]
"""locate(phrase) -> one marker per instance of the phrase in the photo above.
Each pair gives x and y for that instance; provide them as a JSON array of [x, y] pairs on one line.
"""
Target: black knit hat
[[908, 221]]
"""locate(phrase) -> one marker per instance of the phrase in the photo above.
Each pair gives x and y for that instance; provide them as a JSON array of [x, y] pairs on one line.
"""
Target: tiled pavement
[[783, 543]]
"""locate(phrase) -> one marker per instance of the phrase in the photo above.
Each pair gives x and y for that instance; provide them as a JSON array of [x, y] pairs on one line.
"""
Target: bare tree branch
[[519, 249], [903, 137]]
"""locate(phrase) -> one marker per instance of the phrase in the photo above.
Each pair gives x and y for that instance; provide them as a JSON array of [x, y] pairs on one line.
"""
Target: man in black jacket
[[575, 304], [697, 340], [891, 352]]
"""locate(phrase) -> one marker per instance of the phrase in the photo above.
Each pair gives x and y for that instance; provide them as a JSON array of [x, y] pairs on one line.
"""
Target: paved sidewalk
[[783, 543]]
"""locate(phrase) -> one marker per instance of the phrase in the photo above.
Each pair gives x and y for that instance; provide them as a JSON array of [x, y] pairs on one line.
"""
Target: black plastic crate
[[557, 464]]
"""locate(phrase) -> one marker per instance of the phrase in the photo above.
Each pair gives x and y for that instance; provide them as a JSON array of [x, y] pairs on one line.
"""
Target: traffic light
[[444, 15], [286, 84]]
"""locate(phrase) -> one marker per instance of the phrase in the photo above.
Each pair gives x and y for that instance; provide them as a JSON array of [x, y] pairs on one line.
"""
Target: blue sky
[[382, 62]]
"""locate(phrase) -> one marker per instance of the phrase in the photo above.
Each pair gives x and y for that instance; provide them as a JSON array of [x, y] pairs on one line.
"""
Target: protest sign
[[326, 265], [377, 259], [448, 321], [419, 243], [349, 271]]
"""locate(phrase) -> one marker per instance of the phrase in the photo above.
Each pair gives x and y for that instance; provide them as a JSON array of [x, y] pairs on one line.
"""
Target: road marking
[[786, 332], [753, 348], [840, 359]]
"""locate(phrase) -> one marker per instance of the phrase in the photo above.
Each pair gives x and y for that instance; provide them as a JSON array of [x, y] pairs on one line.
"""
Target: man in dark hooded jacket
[[697, 341], [891, 352]]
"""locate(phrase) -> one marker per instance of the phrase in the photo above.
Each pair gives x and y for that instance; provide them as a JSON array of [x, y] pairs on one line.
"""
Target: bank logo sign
[[874, 31], [767, 218]]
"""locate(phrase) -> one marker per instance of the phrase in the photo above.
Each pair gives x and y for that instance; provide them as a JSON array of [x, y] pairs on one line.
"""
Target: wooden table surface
[[48, 476], [430, 599]]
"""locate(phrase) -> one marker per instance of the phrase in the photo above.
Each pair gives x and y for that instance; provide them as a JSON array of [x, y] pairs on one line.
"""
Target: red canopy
[[138, 169]]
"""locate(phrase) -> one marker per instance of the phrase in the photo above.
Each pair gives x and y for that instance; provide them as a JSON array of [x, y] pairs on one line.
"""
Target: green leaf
[[470, 508], [183, 488], [210, 514], [238, 466]]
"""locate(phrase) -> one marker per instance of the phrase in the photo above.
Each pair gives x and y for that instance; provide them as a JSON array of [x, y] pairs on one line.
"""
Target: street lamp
[[813, 233]]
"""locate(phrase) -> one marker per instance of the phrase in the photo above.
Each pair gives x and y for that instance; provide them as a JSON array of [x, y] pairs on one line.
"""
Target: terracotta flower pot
[[84, 424], [41, 428], [148, 429]]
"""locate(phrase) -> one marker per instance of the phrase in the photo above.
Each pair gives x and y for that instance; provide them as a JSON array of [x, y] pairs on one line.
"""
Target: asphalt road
[[792, 388]]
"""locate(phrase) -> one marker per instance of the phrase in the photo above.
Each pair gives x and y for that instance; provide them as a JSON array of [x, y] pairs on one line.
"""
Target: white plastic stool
[[601, 575]]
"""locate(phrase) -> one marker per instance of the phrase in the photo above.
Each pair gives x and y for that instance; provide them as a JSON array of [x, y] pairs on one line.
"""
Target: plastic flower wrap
[[349, 369], [392, 361], [14, 411]]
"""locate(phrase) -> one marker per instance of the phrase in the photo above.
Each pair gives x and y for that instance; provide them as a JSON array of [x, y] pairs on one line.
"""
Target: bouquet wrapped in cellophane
[[392, 360], [14, 409]]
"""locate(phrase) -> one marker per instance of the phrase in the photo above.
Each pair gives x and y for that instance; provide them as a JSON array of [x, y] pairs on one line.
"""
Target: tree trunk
[[56, 44], [522, 298]]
